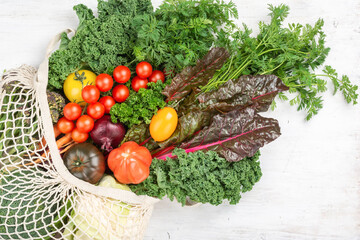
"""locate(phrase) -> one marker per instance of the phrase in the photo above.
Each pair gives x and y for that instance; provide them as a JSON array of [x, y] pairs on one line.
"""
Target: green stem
[[269, 50], [127, 65], [227, 72], [320, 75], [262, 40], [271, 70], [218, 77], [240, 69], [303, 85], [294, 50], [277, 49], [84, 110]]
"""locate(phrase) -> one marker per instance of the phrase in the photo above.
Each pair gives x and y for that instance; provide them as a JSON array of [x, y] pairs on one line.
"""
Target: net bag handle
[[40, 83]]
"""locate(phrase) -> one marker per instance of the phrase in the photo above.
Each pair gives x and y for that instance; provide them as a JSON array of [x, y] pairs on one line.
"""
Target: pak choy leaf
[[259, 91], [235, 135], [199, 75]]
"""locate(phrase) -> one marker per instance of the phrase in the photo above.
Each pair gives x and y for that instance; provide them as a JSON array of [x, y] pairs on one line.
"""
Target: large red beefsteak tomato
[[130, 163]]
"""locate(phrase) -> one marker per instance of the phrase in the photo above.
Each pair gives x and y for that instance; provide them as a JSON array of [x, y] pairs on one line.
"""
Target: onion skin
[[106, 134]]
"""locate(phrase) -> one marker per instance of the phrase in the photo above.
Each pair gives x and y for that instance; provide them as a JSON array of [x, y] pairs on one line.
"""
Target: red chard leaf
[[235, 135], [258, 91], [141, 135], [188, 124], [199, 75]]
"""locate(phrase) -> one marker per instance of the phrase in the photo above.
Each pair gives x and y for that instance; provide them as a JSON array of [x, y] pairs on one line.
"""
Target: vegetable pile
[[170, 100], [165, 86]]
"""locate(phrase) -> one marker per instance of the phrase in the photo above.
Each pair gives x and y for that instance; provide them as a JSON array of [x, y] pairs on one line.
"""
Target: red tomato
[[108, 102], [122, 74], [144, 70], [157, 75], [104, 82], [120, 93], [90, 94], [130, 163], [138, 83], [96, 110], [64, 125], [85, 124], [72, 111], [78, 136]]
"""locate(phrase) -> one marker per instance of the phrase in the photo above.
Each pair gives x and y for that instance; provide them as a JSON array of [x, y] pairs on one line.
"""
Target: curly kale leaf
[[100, 43], [175, 36], [202, 177], [139, 107]]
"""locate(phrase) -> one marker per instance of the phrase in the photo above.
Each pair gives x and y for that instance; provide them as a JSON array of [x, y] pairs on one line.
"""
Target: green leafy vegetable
[[175, 36], [181, 32], [141, 135], [192, 77], [203, 177], [100, 43], [188, 124], [291, 53], [139, 107], [259, 91], [235, 135], [196, 112], [343, 84]]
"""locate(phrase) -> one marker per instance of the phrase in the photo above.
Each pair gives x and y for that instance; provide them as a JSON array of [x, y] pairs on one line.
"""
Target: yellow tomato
[[74, 84], [163, 124]]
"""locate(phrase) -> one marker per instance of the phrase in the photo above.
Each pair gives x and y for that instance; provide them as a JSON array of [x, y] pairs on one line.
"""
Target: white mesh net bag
[[39, 197]]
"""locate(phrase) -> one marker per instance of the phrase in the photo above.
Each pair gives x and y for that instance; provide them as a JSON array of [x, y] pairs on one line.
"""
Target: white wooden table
[[310, 187]]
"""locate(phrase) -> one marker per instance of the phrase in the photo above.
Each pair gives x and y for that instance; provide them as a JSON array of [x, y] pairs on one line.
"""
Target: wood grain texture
[[310, 187]]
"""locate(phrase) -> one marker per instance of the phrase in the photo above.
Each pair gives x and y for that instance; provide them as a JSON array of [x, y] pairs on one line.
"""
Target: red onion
[[107, 134]]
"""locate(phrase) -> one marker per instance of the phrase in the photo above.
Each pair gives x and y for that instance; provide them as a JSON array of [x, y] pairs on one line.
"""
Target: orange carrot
[[64, 140], [56, 133], [68, 147]]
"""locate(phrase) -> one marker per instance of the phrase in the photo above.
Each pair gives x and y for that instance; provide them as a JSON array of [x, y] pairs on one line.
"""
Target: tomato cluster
[[129, 162], [96, 107], [145, 74], [84, 123]]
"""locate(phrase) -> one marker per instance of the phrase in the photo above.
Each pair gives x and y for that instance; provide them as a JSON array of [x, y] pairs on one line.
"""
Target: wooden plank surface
[[310, 187]]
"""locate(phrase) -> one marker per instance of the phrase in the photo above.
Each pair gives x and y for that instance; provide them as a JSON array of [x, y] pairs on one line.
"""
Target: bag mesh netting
[[39, 198]]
